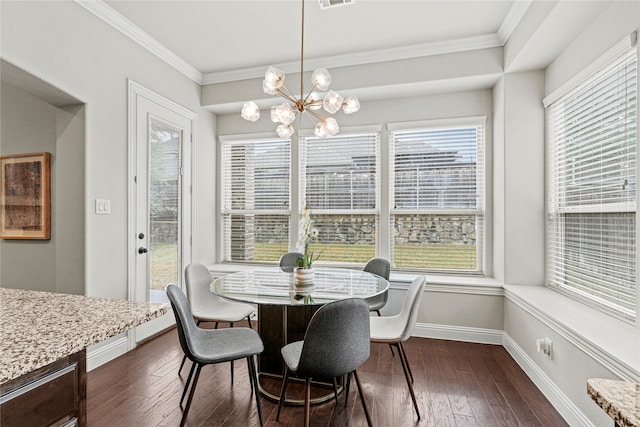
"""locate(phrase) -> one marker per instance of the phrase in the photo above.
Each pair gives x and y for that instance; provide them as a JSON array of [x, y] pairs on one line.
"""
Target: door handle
[[142, 250]]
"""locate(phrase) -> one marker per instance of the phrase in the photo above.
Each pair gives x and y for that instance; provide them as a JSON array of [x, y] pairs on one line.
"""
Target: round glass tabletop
[[274, 286]]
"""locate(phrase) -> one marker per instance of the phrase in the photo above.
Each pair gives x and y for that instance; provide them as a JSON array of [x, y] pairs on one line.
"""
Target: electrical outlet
[[545, 346]]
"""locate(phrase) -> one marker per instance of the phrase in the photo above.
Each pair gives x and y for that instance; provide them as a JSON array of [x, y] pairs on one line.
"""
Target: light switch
[[103, 206]]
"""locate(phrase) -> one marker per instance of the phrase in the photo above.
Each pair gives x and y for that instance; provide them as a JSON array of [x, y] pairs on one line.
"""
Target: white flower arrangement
[[305, 235]]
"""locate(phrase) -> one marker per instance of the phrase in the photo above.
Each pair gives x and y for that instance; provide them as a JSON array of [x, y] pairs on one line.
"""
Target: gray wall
[[67, 46], [30, 124]]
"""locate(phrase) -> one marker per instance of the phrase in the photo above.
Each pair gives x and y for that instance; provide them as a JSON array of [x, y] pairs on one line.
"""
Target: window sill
[[586, 328], [610, 341]]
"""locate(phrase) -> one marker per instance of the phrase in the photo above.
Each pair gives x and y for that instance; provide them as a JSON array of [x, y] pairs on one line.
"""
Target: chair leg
[[307, 400], [404, 354], [283, 391], [254, 380], [346, 391], [193, 389], [184, 359], [249, 320], [409, 382], [335, 390], [231, 326], [364, 403], [251, 379], [378, 311], [186, 385]]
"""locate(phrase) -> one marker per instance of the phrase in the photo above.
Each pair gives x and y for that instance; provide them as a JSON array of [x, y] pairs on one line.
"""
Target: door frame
[[135, 92]]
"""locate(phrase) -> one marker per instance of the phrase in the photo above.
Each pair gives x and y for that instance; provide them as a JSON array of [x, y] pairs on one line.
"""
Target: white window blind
[[437, 191], [256, 205], [592, 151], [339, 177]]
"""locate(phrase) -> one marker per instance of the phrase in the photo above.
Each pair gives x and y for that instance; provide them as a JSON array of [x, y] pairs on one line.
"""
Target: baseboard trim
[[99, 355], [569, 411], [458, 333]]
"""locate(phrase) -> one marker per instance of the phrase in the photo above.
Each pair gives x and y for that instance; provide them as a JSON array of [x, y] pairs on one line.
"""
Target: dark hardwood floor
[[456, 384]]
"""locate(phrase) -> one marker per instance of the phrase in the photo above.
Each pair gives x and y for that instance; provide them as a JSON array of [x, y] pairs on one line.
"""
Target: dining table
[[285, 308]]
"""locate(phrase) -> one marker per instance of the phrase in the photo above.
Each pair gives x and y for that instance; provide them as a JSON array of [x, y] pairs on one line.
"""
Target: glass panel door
[[165, 205]]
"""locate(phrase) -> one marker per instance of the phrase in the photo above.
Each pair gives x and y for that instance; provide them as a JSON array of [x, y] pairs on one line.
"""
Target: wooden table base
[[279, 325]]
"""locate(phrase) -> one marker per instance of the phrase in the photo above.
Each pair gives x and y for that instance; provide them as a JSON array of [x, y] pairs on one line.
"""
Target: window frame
[[615, 59], [376, 132], [225, 244], [482, 195]]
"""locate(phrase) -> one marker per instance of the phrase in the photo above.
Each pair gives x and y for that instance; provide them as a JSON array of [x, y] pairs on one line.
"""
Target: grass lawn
[[164, 258], [163, 268]]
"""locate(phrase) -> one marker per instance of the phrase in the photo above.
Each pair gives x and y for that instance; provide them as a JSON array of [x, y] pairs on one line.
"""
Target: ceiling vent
[[328, 4]]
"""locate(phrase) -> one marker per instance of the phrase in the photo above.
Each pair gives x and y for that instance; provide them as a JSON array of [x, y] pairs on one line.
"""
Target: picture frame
[[25, 196]]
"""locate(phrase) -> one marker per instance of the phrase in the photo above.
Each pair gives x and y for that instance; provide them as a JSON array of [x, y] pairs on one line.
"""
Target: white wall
[[68, 47], [571, 365], [519, 179]]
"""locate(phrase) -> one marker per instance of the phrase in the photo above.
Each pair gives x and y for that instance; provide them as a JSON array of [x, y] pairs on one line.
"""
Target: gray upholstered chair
[[289, 261], [209, 346], [394, 330], [207, 307], [336, 343], [382, 268]]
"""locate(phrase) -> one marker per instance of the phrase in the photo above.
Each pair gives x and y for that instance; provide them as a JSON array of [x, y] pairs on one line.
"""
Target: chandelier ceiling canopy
[[316, 99]]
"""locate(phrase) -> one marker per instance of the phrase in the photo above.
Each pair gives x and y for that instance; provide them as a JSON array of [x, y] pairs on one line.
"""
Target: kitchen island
[[619, 399], [43, 341]]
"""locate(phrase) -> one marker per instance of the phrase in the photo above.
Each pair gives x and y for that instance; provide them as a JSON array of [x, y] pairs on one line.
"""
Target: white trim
[[486, 41], [567, 409], [159, 99], [100, 354], [134, 92], [514, 16], [458, 333], [467, 289], [596, 66], [344, 131], [587, 346], [103, 11], [437, 123], [251, 137]]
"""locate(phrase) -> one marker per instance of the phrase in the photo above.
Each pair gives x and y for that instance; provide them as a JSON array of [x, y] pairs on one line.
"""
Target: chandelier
[[286, 113]]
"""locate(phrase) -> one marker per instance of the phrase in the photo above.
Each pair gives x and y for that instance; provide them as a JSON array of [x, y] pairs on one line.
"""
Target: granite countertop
[[619, 399], [38, 328]]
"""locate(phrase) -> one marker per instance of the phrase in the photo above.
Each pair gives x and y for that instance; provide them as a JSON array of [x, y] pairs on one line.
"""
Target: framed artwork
[[25, 196]]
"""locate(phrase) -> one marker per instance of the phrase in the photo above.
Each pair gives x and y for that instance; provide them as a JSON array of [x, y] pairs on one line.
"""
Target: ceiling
[[223, 43], [219, 38]]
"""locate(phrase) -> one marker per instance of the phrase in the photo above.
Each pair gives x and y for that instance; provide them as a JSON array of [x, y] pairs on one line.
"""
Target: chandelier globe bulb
[[321, 78], [284, 131], [351, 105], [250, 111], [332, 102]]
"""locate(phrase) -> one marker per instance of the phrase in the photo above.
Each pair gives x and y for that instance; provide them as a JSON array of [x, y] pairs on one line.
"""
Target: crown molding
[[103, 11], [486, 41], [514, 16]]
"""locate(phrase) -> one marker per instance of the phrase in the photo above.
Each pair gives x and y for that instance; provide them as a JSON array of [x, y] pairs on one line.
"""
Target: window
[[437, 195], [339, 177], [256, 205], [592, 188]]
